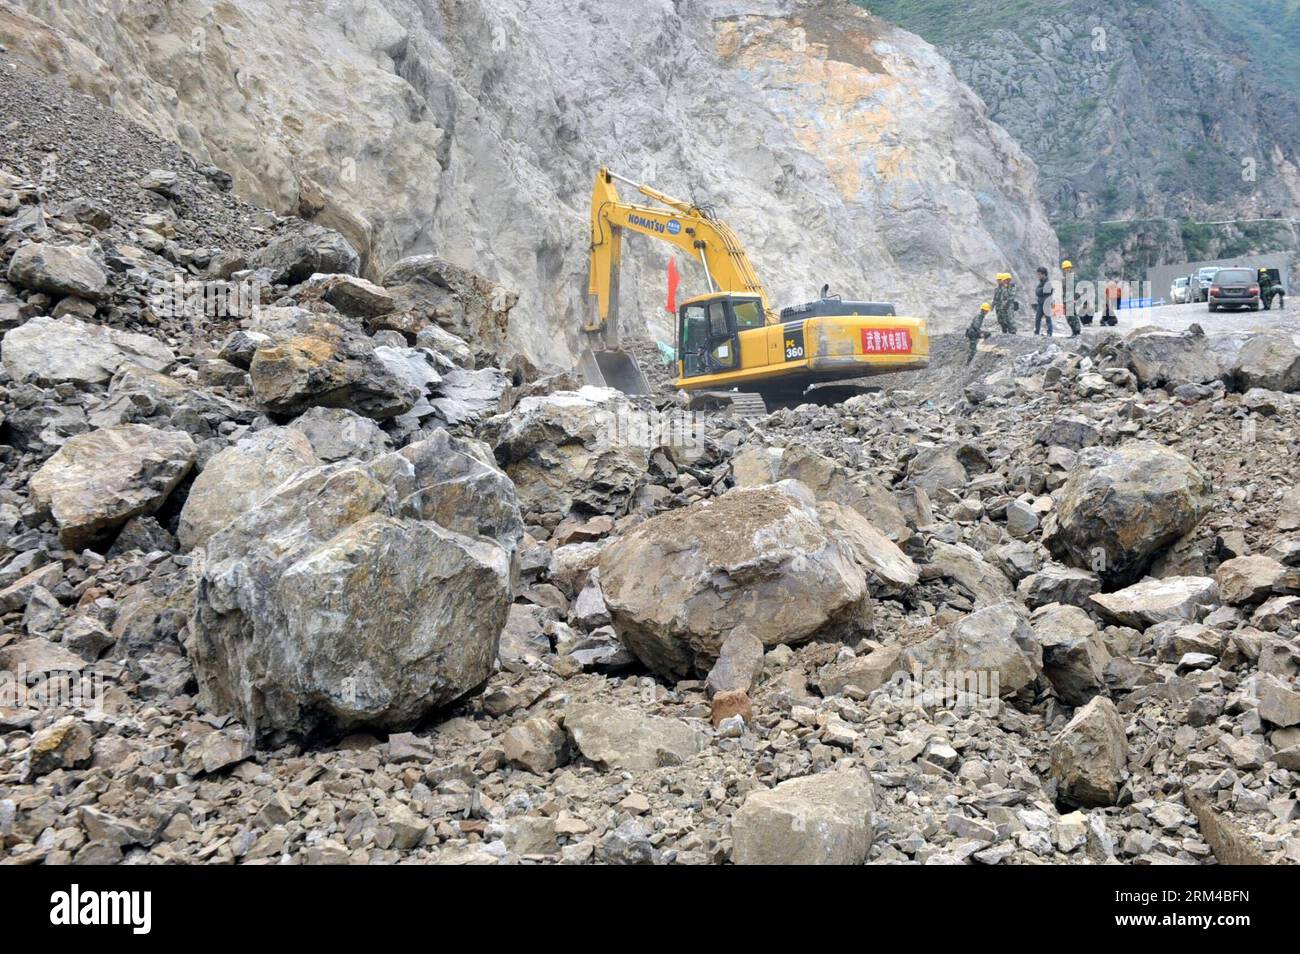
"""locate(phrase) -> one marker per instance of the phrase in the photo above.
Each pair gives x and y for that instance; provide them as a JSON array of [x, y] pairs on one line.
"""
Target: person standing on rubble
[[1005, 302], [1067, 297], [974, 331], [1043, 303]]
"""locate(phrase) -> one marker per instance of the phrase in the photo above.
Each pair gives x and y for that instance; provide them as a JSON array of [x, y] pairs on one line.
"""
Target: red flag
[[673, 281]]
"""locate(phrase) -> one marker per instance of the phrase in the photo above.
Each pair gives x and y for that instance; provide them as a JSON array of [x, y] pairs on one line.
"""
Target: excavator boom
[[682, 224]]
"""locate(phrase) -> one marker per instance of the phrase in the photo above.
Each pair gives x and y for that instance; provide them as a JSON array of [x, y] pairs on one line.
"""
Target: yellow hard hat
[[986, 307], [1003, 276], [1263, 270], [1067, 264]]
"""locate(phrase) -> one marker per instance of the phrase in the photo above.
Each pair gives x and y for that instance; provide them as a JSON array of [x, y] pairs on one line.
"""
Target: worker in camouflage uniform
[[1005, 302], [1266, 291], [1071, 318], [1043, 303], [975, 330]]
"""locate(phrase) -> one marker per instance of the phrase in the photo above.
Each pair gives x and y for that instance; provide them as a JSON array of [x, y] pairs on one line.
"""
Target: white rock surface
[[915, 198]]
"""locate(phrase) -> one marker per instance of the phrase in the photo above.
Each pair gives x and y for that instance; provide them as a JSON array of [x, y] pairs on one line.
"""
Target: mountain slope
[[1269, 30], [1175, 110], [824, 136]]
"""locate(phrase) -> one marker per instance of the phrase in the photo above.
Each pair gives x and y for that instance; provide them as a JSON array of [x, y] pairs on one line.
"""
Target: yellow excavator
[[731, 347]]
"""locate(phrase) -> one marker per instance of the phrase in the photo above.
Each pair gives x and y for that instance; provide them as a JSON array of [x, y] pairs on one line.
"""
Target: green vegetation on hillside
[[952, 21], [1162, 171], [1203, 242], [1270, 29]]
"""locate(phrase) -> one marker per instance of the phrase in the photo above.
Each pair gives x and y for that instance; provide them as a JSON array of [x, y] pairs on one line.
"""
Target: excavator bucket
[[614, 369]]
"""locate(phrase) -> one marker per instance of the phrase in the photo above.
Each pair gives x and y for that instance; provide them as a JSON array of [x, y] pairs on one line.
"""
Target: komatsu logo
[[641, 222]]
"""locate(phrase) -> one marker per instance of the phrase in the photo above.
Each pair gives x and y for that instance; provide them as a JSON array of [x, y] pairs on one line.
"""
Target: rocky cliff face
[[842, 149], [1166, 114]]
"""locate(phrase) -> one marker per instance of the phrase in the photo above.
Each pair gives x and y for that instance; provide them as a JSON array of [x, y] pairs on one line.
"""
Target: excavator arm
[[682, 224]]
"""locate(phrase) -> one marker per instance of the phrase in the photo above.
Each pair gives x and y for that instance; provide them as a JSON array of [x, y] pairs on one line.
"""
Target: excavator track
[[743, 404]]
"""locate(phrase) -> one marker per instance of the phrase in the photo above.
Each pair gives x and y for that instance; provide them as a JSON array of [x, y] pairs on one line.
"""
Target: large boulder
[[1269, 361], [445, 343], [1089, 755], [1121, 506], [58, 270], [983, 582], [238, 477], [351, 295], [50, 351], [564, 453], [627, 740], [823, 819], [1279, 703], [99, 480], [937, 467], [1157, 601], [1072, 432], [1159, 358], [1055, 583], [335, 433], [1074, 654], [829, 482], [1288, 510], [996, 639], [758, 560], [866, 673], [1248, 579], [325, 364], [339, 600], [739, 665], [304, 251], [468, 305], [466, 396], [889, 569]]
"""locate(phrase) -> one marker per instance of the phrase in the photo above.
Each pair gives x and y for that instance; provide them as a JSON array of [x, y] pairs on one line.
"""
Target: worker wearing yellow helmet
[[1067, 300], [1005, 302], [1268, 290], [974, 331]]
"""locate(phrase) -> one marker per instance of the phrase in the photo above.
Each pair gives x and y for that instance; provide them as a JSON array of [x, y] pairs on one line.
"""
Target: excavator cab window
[[748, 312]]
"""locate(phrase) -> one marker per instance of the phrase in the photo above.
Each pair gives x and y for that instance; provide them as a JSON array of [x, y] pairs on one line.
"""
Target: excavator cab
[[709, 329]]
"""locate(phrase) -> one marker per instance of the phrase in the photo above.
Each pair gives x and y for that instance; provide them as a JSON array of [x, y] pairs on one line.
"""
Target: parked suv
[[1179, 289], [1201, 282], [1235, 288]]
